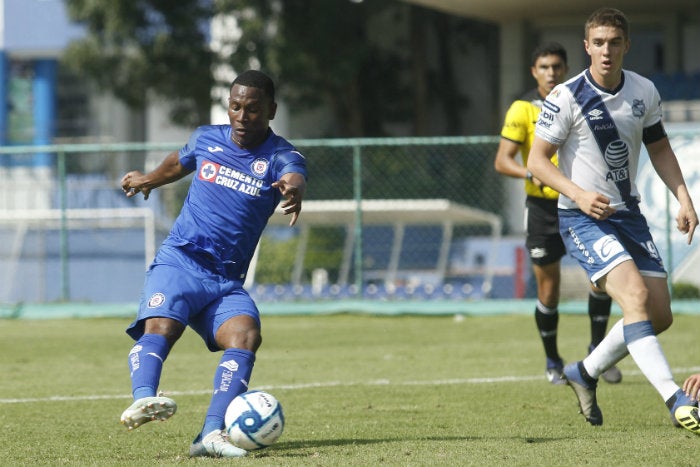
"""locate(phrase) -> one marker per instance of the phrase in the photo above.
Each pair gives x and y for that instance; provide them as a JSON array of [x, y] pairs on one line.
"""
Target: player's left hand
[[687, 221], [293, 196]]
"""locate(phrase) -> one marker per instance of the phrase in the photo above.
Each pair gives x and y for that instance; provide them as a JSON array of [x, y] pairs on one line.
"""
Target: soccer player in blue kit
[[597, 122], [243, 170]]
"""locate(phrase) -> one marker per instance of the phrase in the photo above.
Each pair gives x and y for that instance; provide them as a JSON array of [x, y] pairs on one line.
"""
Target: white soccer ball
[[254, 420]]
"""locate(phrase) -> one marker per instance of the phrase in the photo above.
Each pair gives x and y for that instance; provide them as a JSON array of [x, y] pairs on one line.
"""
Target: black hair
[[550, 48], [256, 79]]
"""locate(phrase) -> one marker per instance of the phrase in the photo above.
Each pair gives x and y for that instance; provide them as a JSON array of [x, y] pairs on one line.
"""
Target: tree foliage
[[351, 58], [321, 53], [138, 49]]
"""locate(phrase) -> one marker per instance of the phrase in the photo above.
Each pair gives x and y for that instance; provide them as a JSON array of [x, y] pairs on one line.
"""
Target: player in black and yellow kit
[[544, 243]]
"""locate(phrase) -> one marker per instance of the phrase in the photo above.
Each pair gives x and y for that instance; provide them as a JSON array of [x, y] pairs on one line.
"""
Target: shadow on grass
[[283, 448]]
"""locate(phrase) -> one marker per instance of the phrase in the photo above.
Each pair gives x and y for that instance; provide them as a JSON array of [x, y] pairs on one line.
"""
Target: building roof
[[390, 211], [508, 10], [396, 213]]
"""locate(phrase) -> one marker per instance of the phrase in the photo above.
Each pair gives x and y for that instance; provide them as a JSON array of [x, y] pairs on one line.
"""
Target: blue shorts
[[179, 287], [599, 246]]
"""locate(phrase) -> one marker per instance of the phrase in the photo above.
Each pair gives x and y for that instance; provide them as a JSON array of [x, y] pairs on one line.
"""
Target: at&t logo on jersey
[[617, 158]]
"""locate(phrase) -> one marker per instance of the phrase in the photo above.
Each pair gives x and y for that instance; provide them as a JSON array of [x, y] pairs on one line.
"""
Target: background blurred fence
[[383, 219]]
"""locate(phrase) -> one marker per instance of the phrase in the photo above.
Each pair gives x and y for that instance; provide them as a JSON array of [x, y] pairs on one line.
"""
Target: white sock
[[649, 357], [611, 350]]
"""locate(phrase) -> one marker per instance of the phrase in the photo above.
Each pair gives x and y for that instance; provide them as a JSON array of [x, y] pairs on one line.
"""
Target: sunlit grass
[[357, 390]]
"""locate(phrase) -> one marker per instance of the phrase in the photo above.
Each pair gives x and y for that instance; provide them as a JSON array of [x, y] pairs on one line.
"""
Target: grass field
[[357, 390]]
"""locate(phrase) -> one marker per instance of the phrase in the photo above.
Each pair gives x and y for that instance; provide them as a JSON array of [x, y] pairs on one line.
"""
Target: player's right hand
[[131, 185], [595, 205]]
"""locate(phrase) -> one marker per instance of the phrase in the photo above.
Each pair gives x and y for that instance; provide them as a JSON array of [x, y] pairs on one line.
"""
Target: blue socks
[[231, 379], [146, 363], [638, 330]]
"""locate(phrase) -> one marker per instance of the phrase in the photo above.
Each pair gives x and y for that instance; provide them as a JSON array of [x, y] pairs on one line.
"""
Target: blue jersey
[[230, 198]]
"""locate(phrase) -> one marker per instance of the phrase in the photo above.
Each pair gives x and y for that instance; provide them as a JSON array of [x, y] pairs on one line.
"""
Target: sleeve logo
[[156, 300]]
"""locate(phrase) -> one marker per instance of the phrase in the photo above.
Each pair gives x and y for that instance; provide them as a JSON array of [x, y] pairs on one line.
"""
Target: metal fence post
[[63, 197], [357, 195]]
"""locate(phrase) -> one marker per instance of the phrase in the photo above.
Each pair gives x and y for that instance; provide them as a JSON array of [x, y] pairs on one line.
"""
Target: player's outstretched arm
[[666, 165], [292, 186], [168, 171]]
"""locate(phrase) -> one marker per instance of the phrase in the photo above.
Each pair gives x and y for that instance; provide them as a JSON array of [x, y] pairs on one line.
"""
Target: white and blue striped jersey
[[599, 133]]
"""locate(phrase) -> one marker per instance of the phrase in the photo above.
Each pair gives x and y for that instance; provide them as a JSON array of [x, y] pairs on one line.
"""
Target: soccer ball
[[254, 420]]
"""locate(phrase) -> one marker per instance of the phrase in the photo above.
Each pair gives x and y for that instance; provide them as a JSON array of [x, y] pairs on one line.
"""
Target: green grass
[[357, 390]]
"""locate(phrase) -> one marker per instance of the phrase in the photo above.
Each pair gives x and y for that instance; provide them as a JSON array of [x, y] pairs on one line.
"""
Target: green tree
[[321, 52], [139, 49], [318, 50]]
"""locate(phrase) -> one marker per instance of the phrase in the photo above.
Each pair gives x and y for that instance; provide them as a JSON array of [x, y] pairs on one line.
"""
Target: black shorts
[[543, 241]]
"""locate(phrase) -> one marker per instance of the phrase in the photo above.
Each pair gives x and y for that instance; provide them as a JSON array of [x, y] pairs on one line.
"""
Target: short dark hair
[[549, 48], [608, 17], [256, 79]]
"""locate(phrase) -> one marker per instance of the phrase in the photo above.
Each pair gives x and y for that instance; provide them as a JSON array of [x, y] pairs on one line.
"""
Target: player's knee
[[662, 323], [258, 342], [166, 327], [637, 297], [248, 339]]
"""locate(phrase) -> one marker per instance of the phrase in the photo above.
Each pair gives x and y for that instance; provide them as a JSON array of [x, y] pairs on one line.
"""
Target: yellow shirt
[[519, 127]]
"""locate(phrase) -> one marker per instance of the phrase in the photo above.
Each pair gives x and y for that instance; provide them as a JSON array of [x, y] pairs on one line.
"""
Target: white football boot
[[148, 409], [215, 444]]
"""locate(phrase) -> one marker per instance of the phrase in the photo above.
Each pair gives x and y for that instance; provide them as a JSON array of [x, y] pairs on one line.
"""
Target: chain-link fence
[[383, 219]]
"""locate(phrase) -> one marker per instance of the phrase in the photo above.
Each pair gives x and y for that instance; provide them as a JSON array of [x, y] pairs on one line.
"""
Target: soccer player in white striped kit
[[597, 122]]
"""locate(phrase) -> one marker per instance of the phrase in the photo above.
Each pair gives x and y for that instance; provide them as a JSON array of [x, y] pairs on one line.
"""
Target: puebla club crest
[[638, 108]]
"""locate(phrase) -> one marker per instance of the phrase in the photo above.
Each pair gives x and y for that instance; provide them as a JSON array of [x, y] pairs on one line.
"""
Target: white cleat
[[215, 444], [147, 409]]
